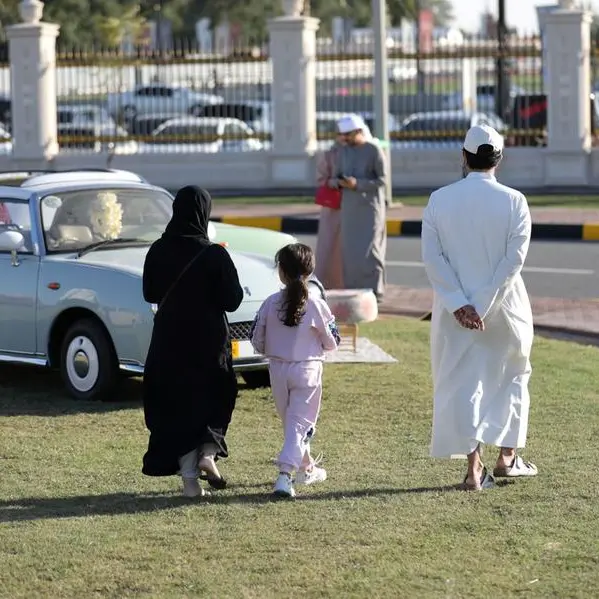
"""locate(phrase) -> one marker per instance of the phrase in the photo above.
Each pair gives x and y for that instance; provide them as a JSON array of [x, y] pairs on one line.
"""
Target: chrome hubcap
[[82, 364]]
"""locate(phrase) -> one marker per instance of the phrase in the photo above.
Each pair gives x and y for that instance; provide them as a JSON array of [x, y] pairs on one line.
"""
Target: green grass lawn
[[552, 201], [79, 520]]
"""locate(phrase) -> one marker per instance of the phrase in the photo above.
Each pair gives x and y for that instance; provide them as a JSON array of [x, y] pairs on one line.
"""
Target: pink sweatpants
[[297, 390]]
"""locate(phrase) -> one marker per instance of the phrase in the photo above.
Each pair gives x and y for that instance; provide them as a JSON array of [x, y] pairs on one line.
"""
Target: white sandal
[[518, 468]]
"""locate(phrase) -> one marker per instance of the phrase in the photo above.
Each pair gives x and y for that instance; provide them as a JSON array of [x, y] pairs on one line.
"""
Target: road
[[553, 269]]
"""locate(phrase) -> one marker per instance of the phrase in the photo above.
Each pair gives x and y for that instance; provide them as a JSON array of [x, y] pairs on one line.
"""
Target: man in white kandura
[[475, 237]]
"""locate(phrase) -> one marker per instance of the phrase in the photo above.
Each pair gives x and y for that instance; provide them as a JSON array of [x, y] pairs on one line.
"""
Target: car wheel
[[129, 112], [88, 365], [256, 379], [196, 110]]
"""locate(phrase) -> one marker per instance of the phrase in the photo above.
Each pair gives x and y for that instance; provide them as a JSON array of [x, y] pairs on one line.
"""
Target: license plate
[[242, 350]]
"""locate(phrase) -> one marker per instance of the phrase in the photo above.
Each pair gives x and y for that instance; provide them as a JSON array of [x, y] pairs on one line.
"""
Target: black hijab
[[191, 213]]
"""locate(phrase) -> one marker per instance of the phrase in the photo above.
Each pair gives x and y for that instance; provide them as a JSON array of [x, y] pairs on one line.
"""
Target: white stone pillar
[[32, 51], [293, 96], [469, 85], [568, 37]]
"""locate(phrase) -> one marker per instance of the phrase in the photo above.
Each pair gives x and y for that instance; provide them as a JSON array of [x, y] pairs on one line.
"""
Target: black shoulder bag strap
[[178, 279]]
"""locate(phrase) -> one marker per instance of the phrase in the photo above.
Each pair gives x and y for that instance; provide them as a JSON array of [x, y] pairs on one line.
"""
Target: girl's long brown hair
[[296, 262]]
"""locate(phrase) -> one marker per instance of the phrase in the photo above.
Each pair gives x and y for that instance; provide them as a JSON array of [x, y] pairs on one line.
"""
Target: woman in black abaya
[[189, 388]]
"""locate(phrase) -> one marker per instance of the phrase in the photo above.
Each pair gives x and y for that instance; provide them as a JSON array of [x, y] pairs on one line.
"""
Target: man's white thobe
[[475, 237]]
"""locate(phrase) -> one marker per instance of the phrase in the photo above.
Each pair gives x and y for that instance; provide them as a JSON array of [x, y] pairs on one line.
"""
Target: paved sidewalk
[[579, 317]]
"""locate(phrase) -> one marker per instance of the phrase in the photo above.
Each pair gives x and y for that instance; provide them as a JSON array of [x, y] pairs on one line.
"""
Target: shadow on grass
[[31, 391], [38, 508]]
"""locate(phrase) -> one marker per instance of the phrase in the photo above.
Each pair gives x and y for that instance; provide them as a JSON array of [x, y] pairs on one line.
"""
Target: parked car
[[6, 111], [485, 98], [254, 113], [90, 127], [259, 242], [84, 114], [445, 128], [529, 116], [202, 134], [146, 124], [72, 249], [95, 138], [5, 142], [158, 97]]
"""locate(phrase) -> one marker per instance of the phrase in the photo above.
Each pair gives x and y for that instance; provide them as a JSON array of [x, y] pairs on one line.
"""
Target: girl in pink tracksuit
[[294, 329]]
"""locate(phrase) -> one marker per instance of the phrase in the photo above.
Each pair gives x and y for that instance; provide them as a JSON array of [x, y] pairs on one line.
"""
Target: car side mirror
[[11, 241]]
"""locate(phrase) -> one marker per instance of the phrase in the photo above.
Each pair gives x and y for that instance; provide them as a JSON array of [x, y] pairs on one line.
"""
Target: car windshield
[[75, 220]]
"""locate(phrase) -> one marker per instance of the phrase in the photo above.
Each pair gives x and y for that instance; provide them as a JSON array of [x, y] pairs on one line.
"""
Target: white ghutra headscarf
[[354, 122]]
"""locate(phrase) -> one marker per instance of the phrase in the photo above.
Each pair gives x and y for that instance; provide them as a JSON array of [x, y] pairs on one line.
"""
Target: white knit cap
[[351, 122], [481, 135]]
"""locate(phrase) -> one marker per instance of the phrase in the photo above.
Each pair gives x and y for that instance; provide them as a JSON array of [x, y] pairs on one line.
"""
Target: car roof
[[201, 120], [442, 114], [157, 115], [36, 180]]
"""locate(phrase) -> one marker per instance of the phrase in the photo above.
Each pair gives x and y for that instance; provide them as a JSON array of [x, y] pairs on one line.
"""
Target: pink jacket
[[315, 334]]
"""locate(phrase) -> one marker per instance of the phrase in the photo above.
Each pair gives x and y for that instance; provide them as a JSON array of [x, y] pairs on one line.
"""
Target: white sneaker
[[191, 488], [309, 477], [284, 487]]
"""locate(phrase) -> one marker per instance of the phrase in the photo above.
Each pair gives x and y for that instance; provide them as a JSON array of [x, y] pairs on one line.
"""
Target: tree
[[114, 30], [408, 9], [254, 15], [84, 23]]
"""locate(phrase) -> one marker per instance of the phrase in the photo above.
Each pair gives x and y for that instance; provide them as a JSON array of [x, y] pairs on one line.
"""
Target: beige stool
[[352, 307]]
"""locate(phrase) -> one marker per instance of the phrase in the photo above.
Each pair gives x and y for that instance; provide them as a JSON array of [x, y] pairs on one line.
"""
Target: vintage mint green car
[[72, 248], [250, 240]]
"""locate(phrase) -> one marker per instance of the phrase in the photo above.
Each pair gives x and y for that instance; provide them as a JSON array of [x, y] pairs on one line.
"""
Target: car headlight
[[154, 308]]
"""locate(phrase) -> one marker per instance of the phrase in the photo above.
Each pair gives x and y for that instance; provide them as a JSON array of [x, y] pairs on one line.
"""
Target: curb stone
[[577, 333], [407, 228]]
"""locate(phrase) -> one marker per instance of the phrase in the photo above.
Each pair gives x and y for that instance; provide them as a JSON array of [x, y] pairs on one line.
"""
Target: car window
[[65, 116], [236, 129], [75, 219], [242, 112], [14, 216], [89, 115], [485, 90], [185, 130]]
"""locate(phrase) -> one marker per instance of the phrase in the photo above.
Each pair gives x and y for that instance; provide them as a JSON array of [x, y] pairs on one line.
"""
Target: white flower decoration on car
[[106, 216]]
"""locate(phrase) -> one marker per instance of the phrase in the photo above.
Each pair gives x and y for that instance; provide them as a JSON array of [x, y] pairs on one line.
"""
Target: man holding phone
[[361, 175]]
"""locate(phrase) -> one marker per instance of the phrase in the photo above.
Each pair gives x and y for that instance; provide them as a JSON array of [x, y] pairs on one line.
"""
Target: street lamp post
[[419, 71], [501, 83], [381, 84]]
